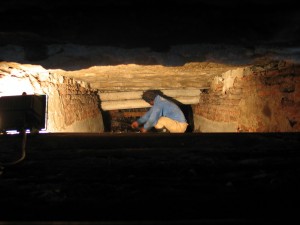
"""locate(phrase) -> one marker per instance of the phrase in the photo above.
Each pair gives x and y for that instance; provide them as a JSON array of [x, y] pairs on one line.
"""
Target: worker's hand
[[143, 130], [135, 125]]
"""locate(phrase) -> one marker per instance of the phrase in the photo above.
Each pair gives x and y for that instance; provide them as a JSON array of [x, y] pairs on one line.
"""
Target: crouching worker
[[164, 115]]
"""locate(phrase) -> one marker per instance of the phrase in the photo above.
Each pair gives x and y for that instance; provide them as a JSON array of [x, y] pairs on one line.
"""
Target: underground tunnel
[[235, 75], [231, 75], [215, 97]]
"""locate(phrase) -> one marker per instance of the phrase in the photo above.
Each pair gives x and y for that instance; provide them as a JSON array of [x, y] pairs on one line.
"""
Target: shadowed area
[[155, 24], [213, 178]]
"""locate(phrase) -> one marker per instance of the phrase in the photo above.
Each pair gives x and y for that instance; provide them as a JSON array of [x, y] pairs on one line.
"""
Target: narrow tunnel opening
[[119, 121]]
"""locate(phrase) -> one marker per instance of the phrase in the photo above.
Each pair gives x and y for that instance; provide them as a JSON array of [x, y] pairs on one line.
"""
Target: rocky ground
[[154, 178]]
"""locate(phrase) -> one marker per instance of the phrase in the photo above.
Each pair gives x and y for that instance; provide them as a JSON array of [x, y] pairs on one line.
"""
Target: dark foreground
[[154, 178]]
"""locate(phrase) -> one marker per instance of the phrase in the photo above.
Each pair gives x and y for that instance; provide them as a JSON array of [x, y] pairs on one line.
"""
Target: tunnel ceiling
[[126, 45]]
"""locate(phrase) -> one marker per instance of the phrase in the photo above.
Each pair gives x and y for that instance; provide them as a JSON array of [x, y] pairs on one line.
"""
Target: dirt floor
[[157, 178]]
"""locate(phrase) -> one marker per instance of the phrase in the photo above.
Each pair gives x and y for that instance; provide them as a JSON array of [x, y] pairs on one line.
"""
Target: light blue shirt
[[161, 107]]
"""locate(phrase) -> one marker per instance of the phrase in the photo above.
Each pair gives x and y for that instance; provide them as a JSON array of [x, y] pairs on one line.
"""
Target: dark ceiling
[[156, 24]]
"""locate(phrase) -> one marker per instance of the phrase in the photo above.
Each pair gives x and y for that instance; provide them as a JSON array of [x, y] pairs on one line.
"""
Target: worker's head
[[150, 95]]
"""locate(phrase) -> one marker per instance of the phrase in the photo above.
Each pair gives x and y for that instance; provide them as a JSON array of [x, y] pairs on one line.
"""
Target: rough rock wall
[[72, 105], [259, 98]]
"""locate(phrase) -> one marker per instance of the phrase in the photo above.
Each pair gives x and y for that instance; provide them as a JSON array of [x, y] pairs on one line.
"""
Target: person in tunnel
[[164, 115]]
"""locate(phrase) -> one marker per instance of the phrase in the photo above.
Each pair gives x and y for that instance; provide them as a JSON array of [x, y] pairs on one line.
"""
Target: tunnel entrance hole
[[118, 121]]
